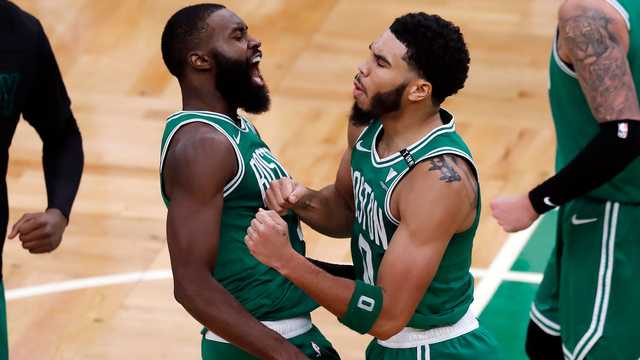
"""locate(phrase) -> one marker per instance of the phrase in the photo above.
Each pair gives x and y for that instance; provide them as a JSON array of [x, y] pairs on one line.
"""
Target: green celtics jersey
[[451, 292], [575, 124], [261, 290]]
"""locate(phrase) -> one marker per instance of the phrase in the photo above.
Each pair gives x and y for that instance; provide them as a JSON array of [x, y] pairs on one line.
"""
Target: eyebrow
[[239, 27], [379, 56]]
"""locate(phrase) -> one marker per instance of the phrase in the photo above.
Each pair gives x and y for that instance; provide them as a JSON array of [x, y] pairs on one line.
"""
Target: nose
[[254, 43], [363, 69]]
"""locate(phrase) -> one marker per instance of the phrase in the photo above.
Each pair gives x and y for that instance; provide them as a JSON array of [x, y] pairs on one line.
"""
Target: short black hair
[[182, 33], [436, 50]]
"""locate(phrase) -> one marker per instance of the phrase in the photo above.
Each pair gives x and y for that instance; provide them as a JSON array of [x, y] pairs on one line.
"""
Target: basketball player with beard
[[214, 172], [406, 193]]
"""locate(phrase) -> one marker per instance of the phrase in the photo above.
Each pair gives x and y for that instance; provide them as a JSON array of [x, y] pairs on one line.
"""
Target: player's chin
[[257, 100], [362, 102]]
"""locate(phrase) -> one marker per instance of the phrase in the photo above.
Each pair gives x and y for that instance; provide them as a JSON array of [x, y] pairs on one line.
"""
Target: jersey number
[[365, 251]]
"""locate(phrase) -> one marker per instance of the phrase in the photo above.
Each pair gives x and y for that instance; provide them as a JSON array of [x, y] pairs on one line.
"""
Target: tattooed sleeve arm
[[593, 38]]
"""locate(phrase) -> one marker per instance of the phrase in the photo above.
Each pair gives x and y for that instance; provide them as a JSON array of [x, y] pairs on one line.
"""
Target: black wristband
[[540, 203]]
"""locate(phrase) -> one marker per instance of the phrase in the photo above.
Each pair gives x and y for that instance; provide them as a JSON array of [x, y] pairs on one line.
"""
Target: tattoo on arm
[[447, 165], [600, 61], [443, 163]]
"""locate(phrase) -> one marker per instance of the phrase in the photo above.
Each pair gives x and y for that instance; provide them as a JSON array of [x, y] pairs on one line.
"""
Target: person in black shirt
[[31, 85]]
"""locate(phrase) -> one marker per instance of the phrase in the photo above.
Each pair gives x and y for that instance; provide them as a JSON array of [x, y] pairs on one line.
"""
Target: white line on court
[[126, 278], [499, 268], [524, 277], [140, 276], [84, 283]]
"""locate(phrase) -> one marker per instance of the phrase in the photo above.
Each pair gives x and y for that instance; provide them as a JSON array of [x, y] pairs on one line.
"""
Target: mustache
[[357, 80]]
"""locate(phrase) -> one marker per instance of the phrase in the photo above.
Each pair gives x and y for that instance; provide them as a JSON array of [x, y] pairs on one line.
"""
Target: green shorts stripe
[[605, 271], [422, 352], [588, 287], [544, 323]]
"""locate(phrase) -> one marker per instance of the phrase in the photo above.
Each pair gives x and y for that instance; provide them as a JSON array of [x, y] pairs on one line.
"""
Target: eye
[[380, 62], [239, 35]]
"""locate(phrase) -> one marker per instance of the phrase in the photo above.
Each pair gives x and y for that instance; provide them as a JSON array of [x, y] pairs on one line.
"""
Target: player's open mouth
[[256, 75]]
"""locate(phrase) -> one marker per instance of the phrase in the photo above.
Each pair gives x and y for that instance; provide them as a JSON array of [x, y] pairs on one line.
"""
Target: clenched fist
[[40, 232], [514, 213], [284, 194], [268, 239]]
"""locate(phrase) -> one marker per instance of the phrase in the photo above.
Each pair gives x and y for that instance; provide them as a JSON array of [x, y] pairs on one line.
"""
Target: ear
[[420, 90], [199, 61]]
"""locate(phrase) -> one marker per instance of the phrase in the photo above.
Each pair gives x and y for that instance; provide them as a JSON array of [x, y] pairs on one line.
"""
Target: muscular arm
[[329, 210], [199, 163], [416, 249], [594, 38]]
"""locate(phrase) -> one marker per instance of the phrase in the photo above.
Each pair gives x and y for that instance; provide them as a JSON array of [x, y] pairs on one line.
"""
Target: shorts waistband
[[288, 328], [410, 337]]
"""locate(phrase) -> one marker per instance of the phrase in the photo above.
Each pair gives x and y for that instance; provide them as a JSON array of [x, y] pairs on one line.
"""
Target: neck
[[403, 128], [205, 98]]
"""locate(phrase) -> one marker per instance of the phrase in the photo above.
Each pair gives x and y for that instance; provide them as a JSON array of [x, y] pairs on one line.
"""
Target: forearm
[[63, 161], [212, 305], [326, 212], [336, 293], [357, 304], [331, 292], [609, 153]]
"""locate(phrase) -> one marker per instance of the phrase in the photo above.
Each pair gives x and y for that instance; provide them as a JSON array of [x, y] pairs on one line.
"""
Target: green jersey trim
[[249, 124], [623, 12], [395, 157], [235, 181], [433, 153], [556, 57], [243, 124]]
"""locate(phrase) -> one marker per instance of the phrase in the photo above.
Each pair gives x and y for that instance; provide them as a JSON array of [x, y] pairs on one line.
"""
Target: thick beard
[[381, 104], [234, 82]]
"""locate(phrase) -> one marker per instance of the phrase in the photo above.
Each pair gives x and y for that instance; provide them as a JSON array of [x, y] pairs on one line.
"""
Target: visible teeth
[[256, 59]]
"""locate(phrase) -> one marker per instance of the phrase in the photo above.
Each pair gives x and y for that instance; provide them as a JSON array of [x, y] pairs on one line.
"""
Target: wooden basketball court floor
[[106, 292]]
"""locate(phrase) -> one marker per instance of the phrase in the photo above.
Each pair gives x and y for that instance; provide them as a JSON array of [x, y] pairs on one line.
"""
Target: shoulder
[[447, 180], [199, 141], [27, 25], [593, 12], [577, 7], [201, 153], [447, 171]]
